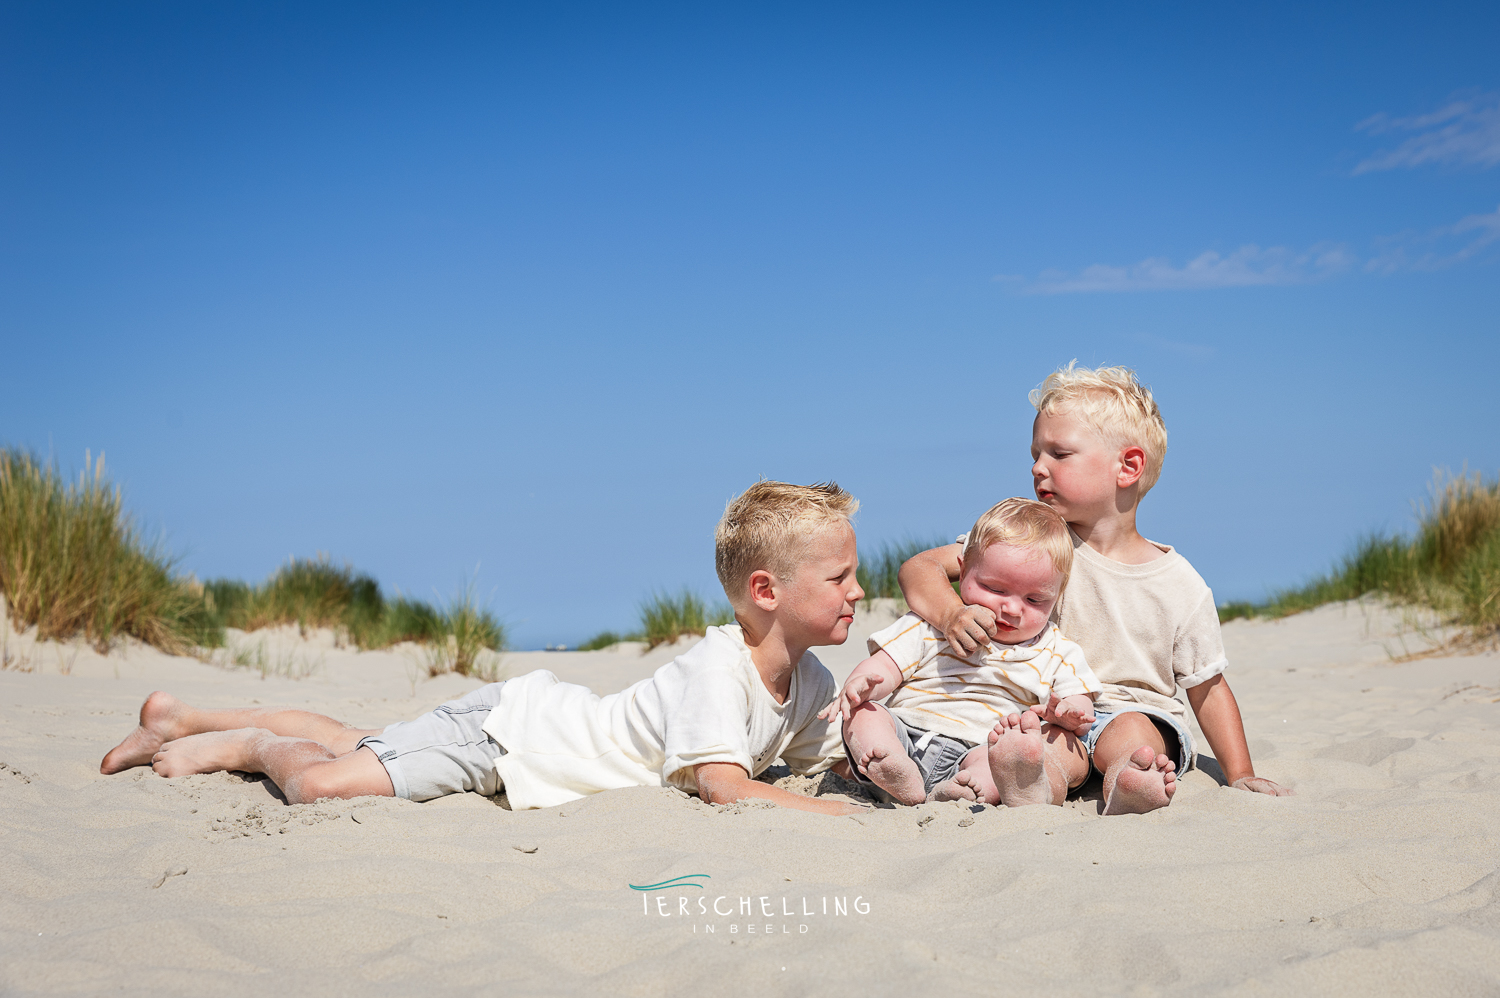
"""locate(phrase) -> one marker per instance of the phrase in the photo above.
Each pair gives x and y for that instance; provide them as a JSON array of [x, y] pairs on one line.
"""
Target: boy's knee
[[314, 784]]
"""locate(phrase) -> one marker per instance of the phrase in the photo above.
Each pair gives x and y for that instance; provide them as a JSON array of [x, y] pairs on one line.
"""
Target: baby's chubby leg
[[878, 753], [973, 781]]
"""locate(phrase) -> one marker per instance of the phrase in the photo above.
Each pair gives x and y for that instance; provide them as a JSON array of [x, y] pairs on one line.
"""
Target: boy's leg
[[973, 781], [876, 750], [304, 769], [1138, 776], [1033, 763], [165, 718]]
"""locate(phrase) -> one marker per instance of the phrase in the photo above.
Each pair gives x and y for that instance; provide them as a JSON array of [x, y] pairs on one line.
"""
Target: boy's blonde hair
[[1023, 523], [1114, 402], [768, 526]]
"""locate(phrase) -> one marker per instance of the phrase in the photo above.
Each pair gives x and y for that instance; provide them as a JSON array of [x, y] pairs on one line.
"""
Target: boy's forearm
[[725, 783], [1219, 716], [883, 668], [927, 583]]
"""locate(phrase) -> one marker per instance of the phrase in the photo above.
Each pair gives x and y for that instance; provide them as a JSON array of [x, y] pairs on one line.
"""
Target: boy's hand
[[968, 627], [855, 692], [1261, 785], [1075, 713]]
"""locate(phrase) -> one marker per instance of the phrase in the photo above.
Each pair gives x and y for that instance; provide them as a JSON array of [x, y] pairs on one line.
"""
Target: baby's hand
[[1261, 785], [1075, 713], [855, 692], [969, 627]]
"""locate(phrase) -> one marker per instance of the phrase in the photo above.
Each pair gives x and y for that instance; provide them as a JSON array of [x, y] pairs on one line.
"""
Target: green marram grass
[[1450, 565], [73, 562], [878, 573], [665, 617]]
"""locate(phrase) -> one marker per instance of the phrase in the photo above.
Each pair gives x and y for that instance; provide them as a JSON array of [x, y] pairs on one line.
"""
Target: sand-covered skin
[[1378, 878]]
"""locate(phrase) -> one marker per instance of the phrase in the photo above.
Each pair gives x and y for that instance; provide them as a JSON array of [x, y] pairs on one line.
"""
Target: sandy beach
[[1378, 877]]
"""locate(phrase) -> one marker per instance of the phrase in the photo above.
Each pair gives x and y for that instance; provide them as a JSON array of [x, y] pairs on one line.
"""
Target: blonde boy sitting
[[707, 722], [1146, 619], [917, 714]]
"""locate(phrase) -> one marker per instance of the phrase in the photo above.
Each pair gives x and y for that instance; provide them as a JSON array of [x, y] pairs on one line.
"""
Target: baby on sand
[[708, 722], [1000, 724]]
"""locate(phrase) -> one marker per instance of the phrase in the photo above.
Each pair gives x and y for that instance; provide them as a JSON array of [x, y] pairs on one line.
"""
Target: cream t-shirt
[[964, 696], [562, 742], [1147, 629]]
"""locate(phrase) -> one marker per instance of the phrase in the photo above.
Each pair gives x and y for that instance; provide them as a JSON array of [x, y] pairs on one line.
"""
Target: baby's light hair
[[768, 526], [1023, 523], [1114, 402]]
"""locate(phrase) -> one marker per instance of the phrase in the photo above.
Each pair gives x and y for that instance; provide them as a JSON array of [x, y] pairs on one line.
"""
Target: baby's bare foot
[[1017, 761], [211, 752], [1144, 782], [894, 773], [159, 723], [959, 788]]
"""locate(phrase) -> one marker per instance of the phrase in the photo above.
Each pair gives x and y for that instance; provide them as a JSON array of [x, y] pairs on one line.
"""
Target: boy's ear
[[1132, 466], [762, 586]]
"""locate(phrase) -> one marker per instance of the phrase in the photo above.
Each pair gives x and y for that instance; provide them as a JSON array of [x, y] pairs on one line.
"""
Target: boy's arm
[[927, 583], [1219, 717], [726, 782]]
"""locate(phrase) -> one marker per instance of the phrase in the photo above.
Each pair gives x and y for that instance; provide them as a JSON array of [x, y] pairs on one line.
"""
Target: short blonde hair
[[1114, 402], [1023, 523], [768, 527]]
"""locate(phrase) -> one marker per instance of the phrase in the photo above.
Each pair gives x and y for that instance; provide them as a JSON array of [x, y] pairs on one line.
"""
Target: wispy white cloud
[[1463, 132], [1442, 247], [1247, 266]]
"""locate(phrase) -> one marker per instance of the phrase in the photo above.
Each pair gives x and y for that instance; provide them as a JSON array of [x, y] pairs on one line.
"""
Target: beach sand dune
[[1378, 877]]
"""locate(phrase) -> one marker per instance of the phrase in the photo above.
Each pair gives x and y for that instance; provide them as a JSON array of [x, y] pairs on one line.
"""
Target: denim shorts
[[1178, 738], [444, 752], [938, 757]]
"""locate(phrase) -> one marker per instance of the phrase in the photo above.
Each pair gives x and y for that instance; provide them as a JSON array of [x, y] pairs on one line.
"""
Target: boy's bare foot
[[1018, 761], [1141, 783], [211, 752], [894, 773], [159, 716]]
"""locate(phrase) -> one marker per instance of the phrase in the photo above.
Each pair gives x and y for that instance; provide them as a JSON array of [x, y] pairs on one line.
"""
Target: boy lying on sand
[[927, 741], [707, 722], [1145, 618]]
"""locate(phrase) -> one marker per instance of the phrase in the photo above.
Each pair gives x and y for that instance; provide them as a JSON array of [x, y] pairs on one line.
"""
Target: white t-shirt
[[562, 742], [1147, 629], [964, 696]]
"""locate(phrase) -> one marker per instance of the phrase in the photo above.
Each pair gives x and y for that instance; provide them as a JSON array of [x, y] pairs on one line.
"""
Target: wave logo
[[686, 880]]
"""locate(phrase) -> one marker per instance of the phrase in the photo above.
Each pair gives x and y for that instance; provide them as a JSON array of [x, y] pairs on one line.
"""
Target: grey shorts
[[938, 757], [444, 752], [1174, 733]]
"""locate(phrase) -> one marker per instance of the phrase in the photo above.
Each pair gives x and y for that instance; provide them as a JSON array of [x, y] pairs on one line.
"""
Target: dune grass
[[666, 617], [73, 562], [1451, 565], [878, 572], [317, 593]]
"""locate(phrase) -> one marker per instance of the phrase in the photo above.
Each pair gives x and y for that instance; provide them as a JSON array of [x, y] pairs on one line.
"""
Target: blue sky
[[538, 289]]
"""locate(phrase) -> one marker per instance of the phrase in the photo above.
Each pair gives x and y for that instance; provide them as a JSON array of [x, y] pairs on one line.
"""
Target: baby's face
[[1019, 585]]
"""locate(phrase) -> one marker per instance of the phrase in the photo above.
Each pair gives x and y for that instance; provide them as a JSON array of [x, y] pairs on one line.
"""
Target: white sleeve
[[1072, 675], [1198, 651], [706, 718], [905, 642], [817, 744]]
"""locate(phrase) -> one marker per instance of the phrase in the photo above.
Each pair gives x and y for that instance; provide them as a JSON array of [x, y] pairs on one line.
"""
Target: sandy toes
[[1144, 782], [159, 716], [896, 774], [957, 788], [1018, 761], [211, 752]]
